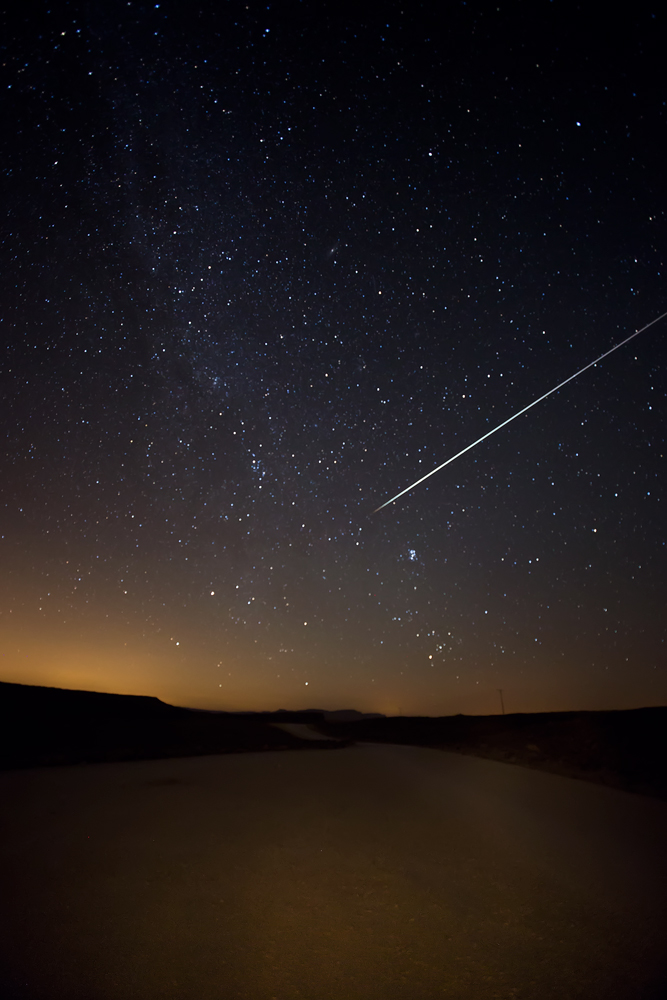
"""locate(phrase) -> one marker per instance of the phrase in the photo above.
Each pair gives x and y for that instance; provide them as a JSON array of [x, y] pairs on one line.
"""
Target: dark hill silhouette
[[42, 725], [625, 749], [351, 715]]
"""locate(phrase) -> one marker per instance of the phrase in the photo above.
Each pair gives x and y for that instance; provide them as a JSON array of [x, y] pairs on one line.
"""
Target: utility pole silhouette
[[502, 703]]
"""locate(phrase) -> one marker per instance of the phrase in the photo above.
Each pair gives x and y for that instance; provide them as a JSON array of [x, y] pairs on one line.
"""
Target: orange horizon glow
[[193, 678]]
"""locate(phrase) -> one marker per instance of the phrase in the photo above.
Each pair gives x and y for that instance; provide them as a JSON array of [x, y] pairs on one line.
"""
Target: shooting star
[[520, 412]]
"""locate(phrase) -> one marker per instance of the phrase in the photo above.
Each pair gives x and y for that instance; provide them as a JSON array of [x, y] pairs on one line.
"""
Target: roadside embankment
[[624, 749]]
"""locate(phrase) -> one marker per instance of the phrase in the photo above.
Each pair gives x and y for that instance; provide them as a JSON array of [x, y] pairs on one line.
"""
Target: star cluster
[[262, 267]]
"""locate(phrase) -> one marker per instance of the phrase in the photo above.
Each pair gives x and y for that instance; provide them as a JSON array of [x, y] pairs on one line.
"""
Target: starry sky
[[263, 266]]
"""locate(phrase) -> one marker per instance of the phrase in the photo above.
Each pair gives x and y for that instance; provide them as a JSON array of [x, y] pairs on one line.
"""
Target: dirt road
[[365, 873]]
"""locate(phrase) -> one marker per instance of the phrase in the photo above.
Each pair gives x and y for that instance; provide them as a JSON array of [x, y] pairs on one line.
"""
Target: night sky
[[263, 266]]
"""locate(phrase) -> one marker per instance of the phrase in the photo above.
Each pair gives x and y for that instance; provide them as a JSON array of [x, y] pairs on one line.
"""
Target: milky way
[[261, 265]]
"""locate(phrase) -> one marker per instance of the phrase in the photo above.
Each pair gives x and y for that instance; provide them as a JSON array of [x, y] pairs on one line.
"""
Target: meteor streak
[[519, 412]]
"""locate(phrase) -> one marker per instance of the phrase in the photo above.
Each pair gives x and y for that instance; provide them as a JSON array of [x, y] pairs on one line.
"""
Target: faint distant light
[[178, 643], [212, 593], [578, 123], [306, 683]]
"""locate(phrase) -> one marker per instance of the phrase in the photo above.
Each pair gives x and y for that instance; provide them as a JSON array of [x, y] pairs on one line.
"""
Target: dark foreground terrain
[[372, 873], [43, 726], [624, 749]]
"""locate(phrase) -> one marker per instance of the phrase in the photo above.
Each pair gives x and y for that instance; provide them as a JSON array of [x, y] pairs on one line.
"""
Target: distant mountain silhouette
[[351, 715]]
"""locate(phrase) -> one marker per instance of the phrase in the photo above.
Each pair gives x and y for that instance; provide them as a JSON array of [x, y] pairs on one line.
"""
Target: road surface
[[364, 873], [302, 730]]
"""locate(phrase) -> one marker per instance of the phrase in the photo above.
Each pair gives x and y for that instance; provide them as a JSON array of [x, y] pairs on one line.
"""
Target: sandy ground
[[370, 872]]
